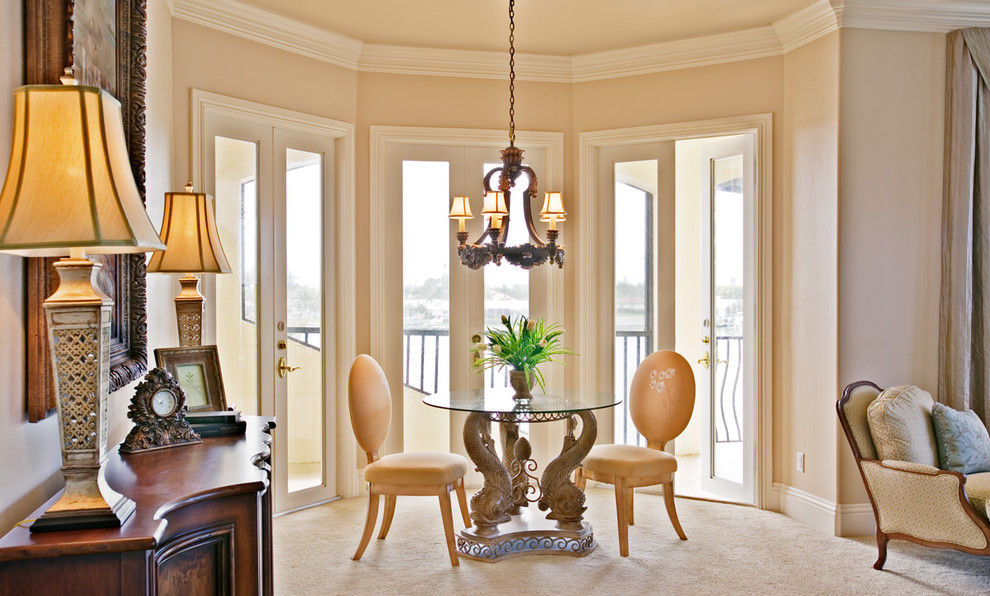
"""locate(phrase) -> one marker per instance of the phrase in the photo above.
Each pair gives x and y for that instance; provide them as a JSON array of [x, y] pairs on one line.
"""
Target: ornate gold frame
[[48, 50]]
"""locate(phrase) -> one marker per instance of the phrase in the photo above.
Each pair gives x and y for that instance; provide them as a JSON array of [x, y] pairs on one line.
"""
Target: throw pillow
[[963, 440], [900, 421]]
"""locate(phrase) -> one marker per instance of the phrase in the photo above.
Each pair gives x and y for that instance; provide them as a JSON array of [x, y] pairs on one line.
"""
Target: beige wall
[[805, 270], [890, 189]]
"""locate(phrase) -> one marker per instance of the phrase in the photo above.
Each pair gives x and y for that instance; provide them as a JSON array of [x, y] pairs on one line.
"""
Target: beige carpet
[[730, 550]]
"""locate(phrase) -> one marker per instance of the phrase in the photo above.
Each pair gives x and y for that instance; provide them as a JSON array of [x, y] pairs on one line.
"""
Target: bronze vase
[[518, 381]]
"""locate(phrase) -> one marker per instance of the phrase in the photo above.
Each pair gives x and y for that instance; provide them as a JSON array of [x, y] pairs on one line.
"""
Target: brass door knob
[[284, 368], [705, 340], [704, 361]]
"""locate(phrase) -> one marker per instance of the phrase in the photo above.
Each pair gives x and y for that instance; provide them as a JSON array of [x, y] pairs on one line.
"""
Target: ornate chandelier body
[[490, 246]]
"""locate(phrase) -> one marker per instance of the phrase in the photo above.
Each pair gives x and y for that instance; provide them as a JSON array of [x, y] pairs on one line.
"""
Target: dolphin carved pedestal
[[504, 524]]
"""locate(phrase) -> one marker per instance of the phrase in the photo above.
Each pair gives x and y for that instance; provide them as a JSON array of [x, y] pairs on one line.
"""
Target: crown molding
[[270, 28], [806, 25], [463, 63], [673, 55], [933, 16]]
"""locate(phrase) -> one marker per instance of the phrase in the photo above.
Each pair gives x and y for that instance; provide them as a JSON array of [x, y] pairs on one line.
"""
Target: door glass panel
[[635, 186], [507, 286], [425, 277], [237, 220], [304, 316], [727, 346]]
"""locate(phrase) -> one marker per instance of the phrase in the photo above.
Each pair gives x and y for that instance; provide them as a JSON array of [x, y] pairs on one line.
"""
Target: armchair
[[914, 501]]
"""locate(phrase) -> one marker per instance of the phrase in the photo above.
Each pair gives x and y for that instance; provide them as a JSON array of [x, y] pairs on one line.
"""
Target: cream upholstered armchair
[[894, 443]]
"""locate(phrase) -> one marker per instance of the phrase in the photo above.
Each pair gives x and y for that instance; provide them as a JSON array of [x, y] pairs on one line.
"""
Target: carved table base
[[503, 524]]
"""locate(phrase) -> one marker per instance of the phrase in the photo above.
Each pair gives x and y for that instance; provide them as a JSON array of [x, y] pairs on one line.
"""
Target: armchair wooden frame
[[954, 505]]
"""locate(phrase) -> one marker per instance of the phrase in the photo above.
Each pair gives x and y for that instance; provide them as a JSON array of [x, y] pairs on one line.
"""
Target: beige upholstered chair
[[661, 400], [437, 474], [912, 499]]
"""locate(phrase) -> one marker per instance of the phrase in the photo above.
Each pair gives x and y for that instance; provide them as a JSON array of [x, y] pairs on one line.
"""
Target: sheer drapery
[[964, 317]]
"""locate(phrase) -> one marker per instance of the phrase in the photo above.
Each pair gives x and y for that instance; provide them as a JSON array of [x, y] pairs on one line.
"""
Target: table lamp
[[70, 190], [189, 231]]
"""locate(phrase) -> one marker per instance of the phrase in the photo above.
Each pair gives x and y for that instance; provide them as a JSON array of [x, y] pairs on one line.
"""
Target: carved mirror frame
[[107, 49]]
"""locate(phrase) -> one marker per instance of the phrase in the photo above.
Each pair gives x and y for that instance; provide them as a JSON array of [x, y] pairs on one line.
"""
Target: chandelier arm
[[528, 195]]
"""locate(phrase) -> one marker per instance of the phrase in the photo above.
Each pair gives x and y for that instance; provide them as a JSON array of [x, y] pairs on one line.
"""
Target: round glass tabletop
[[499, 402]]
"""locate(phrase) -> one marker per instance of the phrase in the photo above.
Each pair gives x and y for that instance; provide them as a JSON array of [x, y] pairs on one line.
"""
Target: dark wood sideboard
[[203, 525]]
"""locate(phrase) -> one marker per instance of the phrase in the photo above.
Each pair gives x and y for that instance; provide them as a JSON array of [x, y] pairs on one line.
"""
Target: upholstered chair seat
[[629, 461], [417, 468]]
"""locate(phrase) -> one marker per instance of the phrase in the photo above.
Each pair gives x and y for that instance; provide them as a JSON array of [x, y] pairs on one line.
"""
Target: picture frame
[[197, 370], [107, 49]]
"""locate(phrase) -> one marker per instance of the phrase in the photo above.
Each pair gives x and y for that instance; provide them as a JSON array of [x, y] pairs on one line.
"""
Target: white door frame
[[594, 341], [339, 251]]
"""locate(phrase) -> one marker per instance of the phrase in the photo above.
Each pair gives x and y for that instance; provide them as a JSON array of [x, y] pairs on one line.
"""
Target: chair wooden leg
[[668, 499], [881, 550], [369, 525], [448, 527], [579, 479], [630, 495], [387, 517], [621, 509], [462, 503]]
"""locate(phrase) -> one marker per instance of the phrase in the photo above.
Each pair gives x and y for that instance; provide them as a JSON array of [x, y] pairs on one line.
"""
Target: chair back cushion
[[370, 403], [661, 396], [962, 439], [901, 424]]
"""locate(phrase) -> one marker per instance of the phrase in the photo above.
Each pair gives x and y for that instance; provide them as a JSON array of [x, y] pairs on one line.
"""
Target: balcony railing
[[426, 353]]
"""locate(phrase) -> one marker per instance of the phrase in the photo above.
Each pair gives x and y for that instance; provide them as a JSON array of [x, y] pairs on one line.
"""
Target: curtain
[[964, 316]]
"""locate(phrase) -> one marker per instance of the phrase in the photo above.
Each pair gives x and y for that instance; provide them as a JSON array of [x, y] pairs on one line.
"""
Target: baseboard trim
[[854, 519]]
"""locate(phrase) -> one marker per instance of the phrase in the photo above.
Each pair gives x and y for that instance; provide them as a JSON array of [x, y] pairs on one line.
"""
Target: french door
[[727, 382], [271, 187]]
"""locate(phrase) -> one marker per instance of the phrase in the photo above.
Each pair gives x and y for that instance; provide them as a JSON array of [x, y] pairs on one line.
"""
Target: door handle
[[704, 361], [284, 368]]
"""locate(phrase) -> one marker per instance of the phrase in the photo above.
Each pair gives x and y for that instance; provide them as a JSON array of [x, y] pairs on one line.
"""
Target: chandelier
[[490, 246]]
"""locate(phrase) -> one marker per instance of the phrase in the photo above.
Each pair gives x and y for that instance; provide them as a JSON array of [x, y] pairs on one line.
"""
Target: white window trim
[[594, 343]]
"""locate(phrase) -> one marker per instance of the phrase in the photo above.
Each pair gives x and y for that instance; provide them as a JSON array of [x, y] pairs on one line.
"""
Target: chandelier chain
[[512, 73]]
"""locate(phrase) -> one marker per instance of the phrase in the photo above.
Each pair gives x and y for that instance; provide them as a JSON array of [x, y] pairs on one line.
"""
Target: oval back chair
[[661, 401], [370, 404]]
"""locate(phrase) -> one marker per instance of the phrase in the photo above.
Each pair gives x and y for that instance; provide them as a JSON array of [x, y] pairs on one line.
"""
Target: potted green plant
[[523, 345]]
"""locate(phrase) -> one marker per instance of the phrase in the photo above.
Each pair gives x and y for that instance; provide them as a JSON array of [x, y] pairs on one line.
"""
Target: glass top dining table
[[501, 407]]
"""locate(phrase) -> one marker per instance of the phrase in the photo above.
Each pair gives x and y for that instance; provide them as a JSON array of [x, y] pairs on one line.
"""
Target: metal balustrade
[[425, 349]]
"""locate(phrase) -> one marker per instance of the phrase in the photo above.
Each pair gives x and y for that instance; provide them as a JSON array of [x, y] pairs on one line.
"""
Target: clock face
[[163, 403]]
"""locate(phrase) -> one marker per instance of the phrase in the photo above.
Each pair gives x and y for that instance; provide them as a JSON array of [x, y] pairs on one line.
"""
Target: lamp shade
[[494, 204], [553, 207], [69, 183], [460, 208], [189, 231]]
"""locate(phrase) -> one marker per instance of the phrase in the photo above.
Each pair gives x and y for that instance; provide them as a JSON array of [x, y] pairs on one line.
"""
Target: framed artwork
[[197, 370], [106, 49]]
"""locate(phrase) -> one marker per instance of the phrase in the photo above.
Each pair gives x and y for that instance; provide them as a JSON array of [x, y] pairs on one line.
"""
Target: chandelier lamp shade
[[70, 190], [491, 247], [189, 231]]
